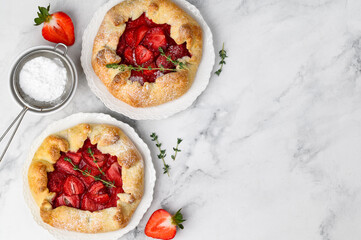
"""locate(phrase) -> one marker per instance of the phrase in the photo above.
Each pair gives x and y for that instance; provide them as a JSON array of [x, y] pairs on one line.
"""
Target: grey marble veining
[[272, 148]]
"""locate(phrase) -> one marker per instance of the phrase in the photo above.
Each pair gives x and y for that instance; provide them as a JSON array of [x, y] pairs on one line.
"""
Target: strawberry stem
[[43, 15], [177, 219]]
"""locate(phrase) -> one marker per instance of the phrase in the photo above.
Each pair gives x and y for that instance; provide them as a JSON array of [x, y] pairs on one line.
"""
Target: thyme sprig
[[223, 55], [124, 67], [176, 149], [87, 173], [91, 153], [162, 153], [181, 65]]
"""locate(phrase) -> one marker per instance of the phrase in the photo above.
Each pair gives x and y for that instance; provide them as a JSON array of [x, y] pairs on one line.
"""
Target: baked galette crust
[[109, 139], [167, 87]]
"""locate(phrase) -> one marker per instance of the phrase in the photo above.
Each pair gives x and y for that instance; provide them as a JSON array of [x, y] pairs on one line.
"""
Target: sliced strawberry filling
[[74, 187], [139, 46]]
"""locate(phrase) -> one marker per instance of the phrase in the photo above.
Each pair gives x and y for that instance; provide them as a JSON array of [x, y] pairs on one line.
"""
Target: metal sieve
[[30, 104]]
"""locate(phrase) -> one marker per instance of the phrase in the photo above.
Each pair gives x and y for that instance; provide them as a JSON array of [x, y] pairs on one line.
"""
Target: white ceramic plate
[[149, 179], [161, 111]]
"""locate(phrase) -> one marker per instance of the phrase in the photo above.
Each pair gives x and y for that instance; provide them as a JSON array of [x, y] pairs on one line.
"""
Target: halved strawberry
[[121, 46], [140, 33], [58, 27], [65, 166], [73, 186], [70, 201], [55, 181], [162, 225], [155, 38], [114, 174], [87, 180], [75, 157], [143, 55]]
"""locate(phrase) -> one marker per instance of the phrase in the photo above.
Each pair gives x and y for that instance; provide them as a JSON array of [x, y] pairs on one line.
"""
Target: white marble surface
[[272, 149]]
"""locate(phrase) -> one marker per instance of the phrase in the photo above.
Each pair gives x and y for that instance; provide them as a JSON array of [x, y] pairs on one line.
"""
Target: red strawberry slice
[[155, 38], [162, 61], [162, 225], [73, 186], [137, 77], [137, 22], [114, 174], [100, 198], [55, 181], [97, 161], [129, 36], [96, 188], [143, 55], [75, 157], [129, 55], [112, 159], [178, 51], [140, 33], [121, 46], [88, 144], [88, 204], [58, 27], [70, 201], [113, 196], [65, 166]]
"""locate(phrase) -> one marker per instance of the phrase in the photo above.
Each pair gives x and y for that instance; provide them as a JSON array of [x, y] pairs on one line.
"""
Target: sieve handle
[[19, 118], [64, 46]]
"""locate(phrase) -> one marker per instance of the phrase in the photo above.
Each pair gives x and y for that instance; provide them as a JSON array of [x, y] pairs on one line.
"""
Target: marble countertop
[[272, 148]]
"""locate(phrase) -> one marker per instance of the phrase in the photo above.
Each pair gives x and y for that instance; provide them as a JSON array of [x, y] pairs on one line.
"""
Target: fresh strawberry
[[143, 55], [70, 201], [73, 186], [55, 181], [75, 157], [114, 174], [65, 166], [155, 38], [140, 33], [162, 225], [58, 27], [178, 51]]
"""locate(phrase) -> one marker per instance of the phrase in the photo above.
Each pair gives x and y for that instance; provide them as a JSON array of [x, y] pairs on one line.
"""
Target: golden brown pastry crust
[[166, 88], [110, 140]]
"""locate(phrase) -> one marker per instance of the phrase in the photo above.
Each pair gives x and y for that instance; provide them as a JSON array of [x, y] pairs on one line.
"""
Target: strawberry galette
[[88, 178], [147, 52]]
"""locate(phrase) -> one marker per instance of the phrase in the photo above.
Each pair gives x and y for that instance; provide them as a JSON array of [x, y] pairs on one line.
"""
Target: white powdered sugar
[[43, 79]]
